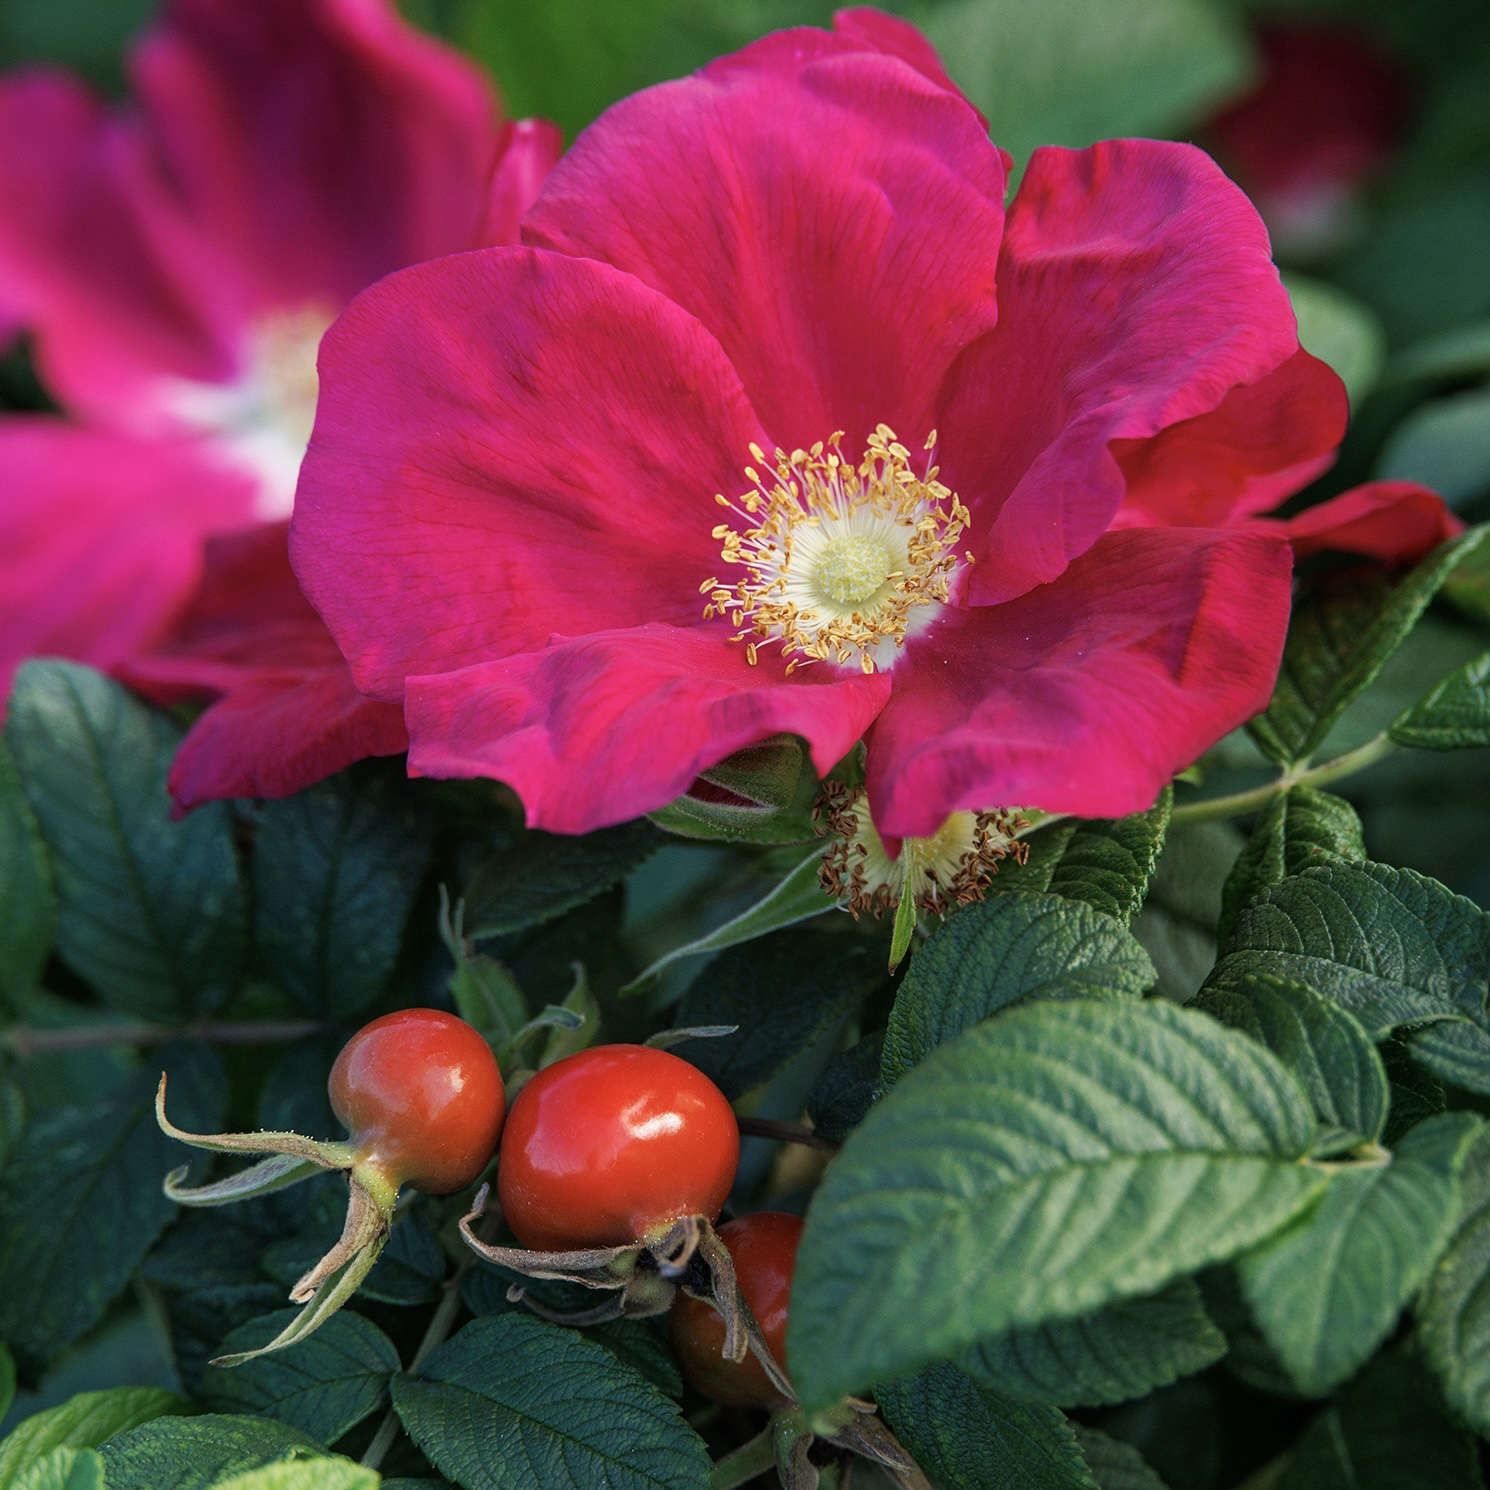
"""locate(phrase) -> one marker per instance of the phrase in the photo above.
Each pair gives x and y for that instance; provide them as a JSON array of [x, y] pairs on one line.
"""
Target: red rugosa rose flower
[[605, 508], [176, 261]]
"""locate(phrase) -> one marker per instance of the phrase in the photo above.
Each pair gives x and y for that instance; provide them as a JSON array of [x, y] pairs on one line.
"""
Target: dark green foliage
[[558, 1410], [28, 905], [151, 910], [1453, 716], [195, 1453], [847, 1088], [783, 992], [80, 1202], [1114, 1465], [336, 869]]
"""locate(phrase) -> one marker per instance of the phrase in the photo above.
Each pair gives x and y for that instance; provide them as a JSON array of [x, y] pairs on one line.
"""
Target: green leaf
[[1329, 1289], [1298, 830], [1453, 716], [1324, 1046], [512, 1400], [152, 911], [28, 903], [1049, 1161], [1388, 1430], [1463, 352], [1045, 845], [847, 1088], [796, 898], [81, 1203], [1445, 444], [7, 1379], [758, 795], [1122, 1351], [336, 869], [323, 1386], [783, 993], [1346, 625], [64, 1469], [1339, 330], [318, 1474], [967, 1437], [1457, 1052], [1454, 1310], [195, 1453], [1114, 1465], [1390, 945], [541, 875], [1006, 948], [82, 1422], [1110, 862], [1076, 71]]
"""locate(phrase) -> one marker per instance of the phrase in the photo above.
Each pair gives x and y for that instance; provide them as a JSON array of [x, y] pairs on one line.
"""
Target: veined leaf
[[1004, 949], [967, 1437], [28, 903], [1388, 1430], [512, 1400], [1328, 1290], [1454, 1311], [1299, 830], [151, 910], [1324, 1046], [1122, 1351], [1049, 1161], [82, 1422], [848, 1087], [1390, 945], [64, 1469], [1115, 1465], [1453, 716], [324, 1386], [336, 869], [759, 795], [195, 1453], [315, 1474], [1346, 626]]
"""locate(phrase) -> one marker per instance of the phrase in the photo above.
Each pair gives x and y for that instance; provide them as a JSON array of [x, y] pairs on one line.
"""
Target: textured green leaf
[[195, 1453], [28, 903], [323, 1386], [336, 869], [1388, 1430], [151, 911], [1006, 948], [1457, 1052], [967, 1437], [1077, 71], [796, 898], [541, 875], [512, 1400], [317, 1474], [1114, 1465], [81, 1203], [1109, 863], [1299, 830], [847, 1088], [1045, 847], [1329, 1289], [1338, 329], [1346, 625], [64, 1469], [759, 795], [1454, 1310], [782, 993], [1390, 945], [82, 1422], [1049, 1161], [1177, 925], [1324, 1046], [1122, 1351], [1453, 716]]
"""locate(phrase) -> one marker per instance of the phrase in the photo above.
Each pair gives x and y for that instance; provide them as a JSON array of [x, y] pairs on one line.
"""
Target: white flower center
[[837, 557], [261, 421]]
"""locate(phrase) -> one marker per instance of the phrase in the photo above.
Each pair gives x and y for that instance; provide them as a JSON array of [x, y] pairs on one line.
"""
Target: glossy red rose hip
[[421, 1095], [611, 1146], [764, 1248]]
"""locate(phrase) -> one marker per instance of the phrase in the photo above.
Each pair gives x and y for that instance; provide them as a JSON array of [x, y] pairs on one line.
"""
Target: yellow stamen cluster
[[837, 556], [951, 868]]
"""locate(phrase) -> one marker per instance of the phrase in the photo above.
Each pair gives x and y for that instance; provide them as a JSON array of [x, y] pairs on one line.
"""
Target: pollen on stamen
[[840, 557]]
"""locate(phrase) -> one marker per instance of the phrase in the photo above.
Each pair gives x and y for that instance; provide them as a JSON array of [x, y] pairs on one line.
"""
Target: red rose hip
[[421, 1096], [764, 1248], [611, 1146]]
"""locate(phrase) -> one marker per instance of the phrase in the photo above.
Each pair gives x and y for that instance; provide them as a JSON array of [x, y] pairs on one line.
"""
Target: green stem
[[1299, 774], [24, 1040], [747, 1461]]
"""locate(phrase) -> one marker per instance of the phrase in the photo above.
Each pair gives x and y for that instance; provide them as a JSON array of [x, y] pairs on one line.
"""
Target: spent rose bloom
[[176, 261], [779, 422]]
